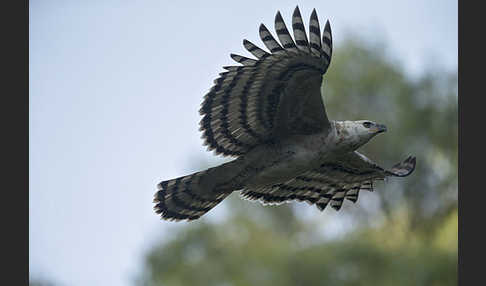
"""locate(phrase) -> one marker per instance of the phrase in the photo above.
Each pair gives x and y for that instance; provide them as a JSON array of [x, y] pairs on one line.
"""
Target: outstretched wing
[[273, 96], [331, 183]]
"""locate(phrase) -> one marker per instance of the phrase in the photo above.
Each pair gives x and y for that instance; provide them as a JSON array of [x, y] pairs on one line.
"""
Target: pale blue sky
[[115, 89]]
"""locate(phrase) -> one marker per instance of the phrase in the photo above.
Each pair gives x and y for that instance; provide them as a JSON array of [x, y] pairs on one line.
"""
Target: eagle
[[268, 114]]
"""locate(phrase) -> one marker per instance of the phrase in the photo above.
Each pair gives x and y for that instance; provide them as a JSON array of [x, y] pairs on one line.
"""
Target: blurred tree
[[422, 119], [405, 233]]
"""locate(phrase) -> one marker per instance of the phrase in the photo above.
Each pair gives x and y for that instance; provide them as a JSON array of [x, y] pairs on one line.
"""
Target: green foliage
[[404, 233]]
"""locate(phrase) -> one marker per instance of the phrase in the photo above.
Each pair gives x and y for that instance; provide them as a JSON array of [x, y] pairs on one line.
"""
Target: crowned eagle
[[268, 113]]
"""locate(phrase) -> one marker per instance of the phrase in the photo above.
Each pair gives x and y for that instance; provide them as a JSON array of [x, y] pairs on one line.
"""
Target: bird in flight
[[268, 113]]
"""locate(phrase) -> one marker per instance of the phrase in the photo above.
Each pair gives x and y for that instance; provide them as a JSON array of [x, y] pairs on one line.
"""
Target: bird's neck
[[343, 137]]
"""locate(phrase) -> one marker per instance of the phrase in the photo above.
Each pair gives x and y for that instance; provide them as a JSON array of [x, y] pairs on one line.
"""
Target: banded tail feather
[[186, 198]]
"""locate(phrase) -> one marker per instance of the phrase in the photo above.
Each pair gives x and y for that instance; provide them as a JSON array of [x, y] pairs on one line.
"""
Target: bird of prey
[[269, 115]]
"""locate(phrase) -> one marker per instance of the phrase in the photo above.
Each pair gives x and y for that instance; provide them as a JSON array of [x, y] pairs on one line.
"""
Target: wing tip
[[278, 17], [296, 12], [327, 26], [404, 168]]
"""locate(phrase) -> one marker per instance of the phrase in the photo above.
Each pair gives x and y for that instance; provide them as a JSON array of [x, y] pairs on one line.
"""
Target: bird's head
[[358, 133]]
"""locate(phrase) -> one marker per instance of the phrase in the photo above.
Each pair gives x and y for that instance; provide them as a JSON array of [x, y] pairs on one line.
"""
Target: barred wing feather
[[331, 183], [273, 96]]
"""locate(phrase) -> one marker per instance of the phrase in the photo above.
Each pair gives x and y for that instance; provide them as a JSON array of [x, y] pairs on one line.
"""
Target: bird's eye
[[367, 124]]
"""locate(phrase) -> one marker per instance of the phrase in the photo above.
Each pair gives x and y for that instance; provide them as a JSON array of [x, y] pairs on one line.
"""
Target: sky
[[114, 93]]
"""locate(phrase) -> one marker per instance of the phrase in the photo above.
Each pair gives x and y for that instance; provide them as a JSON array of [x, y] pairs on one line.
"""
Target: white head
[[357, 133]]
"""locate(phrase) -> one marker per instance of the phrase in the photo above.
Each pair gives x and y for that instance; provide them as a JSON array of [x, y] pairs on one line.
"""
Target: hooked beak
[[380, 128]]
